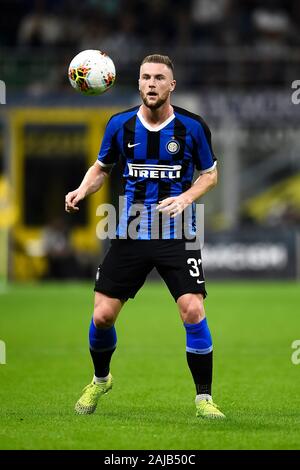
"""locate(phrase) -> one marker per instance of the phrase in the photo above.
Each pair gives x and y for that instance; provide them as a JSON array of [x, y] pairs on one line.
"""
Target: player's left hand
[[174, 205]]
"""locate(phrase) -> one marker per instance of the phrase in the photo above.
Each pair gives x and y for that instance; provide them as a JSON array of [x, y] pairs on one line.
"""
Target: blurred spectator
[[272, 29], [208, 17], [271, 41], [41, 27]]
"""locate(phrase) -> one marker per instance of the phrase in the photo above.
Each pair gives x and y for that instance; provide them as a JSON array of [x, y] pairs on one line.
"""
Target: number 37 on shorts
[[196, 269]]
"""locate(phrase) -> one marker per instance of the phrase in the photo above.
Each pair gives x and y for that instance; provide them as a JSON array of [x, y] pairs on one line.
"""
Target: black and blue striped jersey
[[157, 162]]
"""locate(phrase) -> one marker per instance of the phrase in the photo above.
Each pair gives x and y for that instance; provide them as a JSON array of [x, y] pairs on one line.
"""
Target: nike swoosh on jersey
[[132, 145]]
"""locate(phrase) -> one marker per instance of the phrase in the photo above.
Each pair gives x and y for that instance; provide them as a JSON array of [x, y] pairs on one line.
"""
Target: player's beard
[[157, 103]]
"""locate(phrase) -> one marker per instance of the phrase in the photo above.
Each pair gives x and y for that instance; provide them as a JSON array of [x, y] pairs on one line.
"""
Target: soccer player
[[160, 146]]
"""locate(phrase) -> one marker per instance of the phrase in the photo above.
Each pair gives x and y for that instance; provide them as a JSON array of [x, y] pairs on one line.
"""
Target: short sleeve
[[204, 157], [109, 152]]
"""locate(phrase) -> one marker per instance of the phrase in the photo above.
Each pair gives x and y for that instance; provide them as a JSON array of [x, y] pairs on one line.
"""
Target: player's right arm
[[96, 174], [92, 182]]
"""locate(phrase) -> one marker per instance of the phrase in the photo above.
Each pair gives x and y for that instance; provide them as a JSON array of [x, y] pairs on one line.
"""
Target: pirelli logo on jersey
[[146, 170]]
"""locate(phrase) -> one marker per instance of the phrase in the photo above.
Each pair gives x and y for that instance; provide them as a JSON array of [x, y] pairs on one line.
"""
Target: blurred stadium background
[[235, 63]]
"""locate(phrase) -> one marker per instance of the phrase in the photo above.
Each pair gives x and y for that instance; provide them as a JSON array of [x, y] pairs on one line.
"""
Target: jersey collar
[[155, 129]]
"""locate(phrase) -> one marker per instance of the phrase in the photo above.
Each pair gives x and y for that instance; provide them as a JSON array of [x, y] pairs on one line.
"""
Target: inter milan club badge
[[173, 146]]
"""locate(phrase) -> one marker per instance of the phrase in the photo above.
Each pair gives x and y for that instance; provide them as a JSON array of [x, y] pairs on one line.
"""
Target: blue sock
[[103, 343], [102, 339], [198, 337], [199, 355]]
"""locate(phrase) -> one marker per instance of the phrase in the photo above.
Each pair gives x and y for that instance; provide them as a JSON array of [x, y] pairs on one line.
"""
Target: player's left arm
[[175, 205]]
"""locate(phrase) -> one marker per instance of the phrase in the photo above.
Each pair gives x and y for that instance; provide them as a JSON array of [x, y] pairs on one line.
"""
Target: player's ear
[[172, 85], [139, 84]]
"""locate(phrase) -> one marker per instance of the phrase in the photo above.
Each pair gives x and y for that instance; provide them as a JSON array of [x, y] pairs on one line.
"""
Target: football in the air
[[92, 72]]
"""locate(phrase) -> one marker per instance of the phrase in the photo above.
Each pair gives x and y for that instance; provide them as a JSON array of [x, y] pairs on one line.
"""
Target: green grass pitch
[[151, 406]]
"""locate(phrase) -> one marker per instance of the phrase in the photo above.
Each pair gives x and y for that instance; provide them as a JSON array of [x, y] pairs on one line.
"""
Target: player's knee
[[103, 320], [192, 311], [104, 316]]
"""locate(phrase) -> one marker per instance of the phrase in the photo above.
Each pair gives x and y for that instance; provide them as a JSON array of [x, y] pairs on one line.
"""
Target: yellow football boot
[[88, 401], [208, 409]]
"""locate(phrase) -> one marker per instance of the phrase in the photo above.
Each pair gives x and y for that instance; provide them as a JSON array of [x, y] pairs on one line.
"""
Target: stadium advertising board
[[251, 255]]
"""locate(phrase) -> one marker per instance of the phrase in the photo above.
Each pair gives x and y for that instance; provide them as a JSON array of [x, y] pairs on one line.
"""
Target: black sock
[[101, 360], [201, 368]]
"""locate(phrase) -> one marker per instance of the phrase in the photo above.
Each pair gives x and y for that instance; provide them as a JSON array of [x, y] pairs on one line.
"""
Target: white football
[[92, 72]]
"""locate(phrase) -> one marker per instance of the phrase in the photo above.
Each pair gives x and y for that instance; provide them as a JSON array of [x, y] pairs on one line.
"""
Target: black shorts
[[128, 262]]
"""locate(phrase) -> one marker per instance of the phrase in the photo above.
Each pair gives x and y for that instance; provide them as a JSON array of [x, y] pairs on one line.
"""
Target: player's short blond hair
[[159, 59]]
